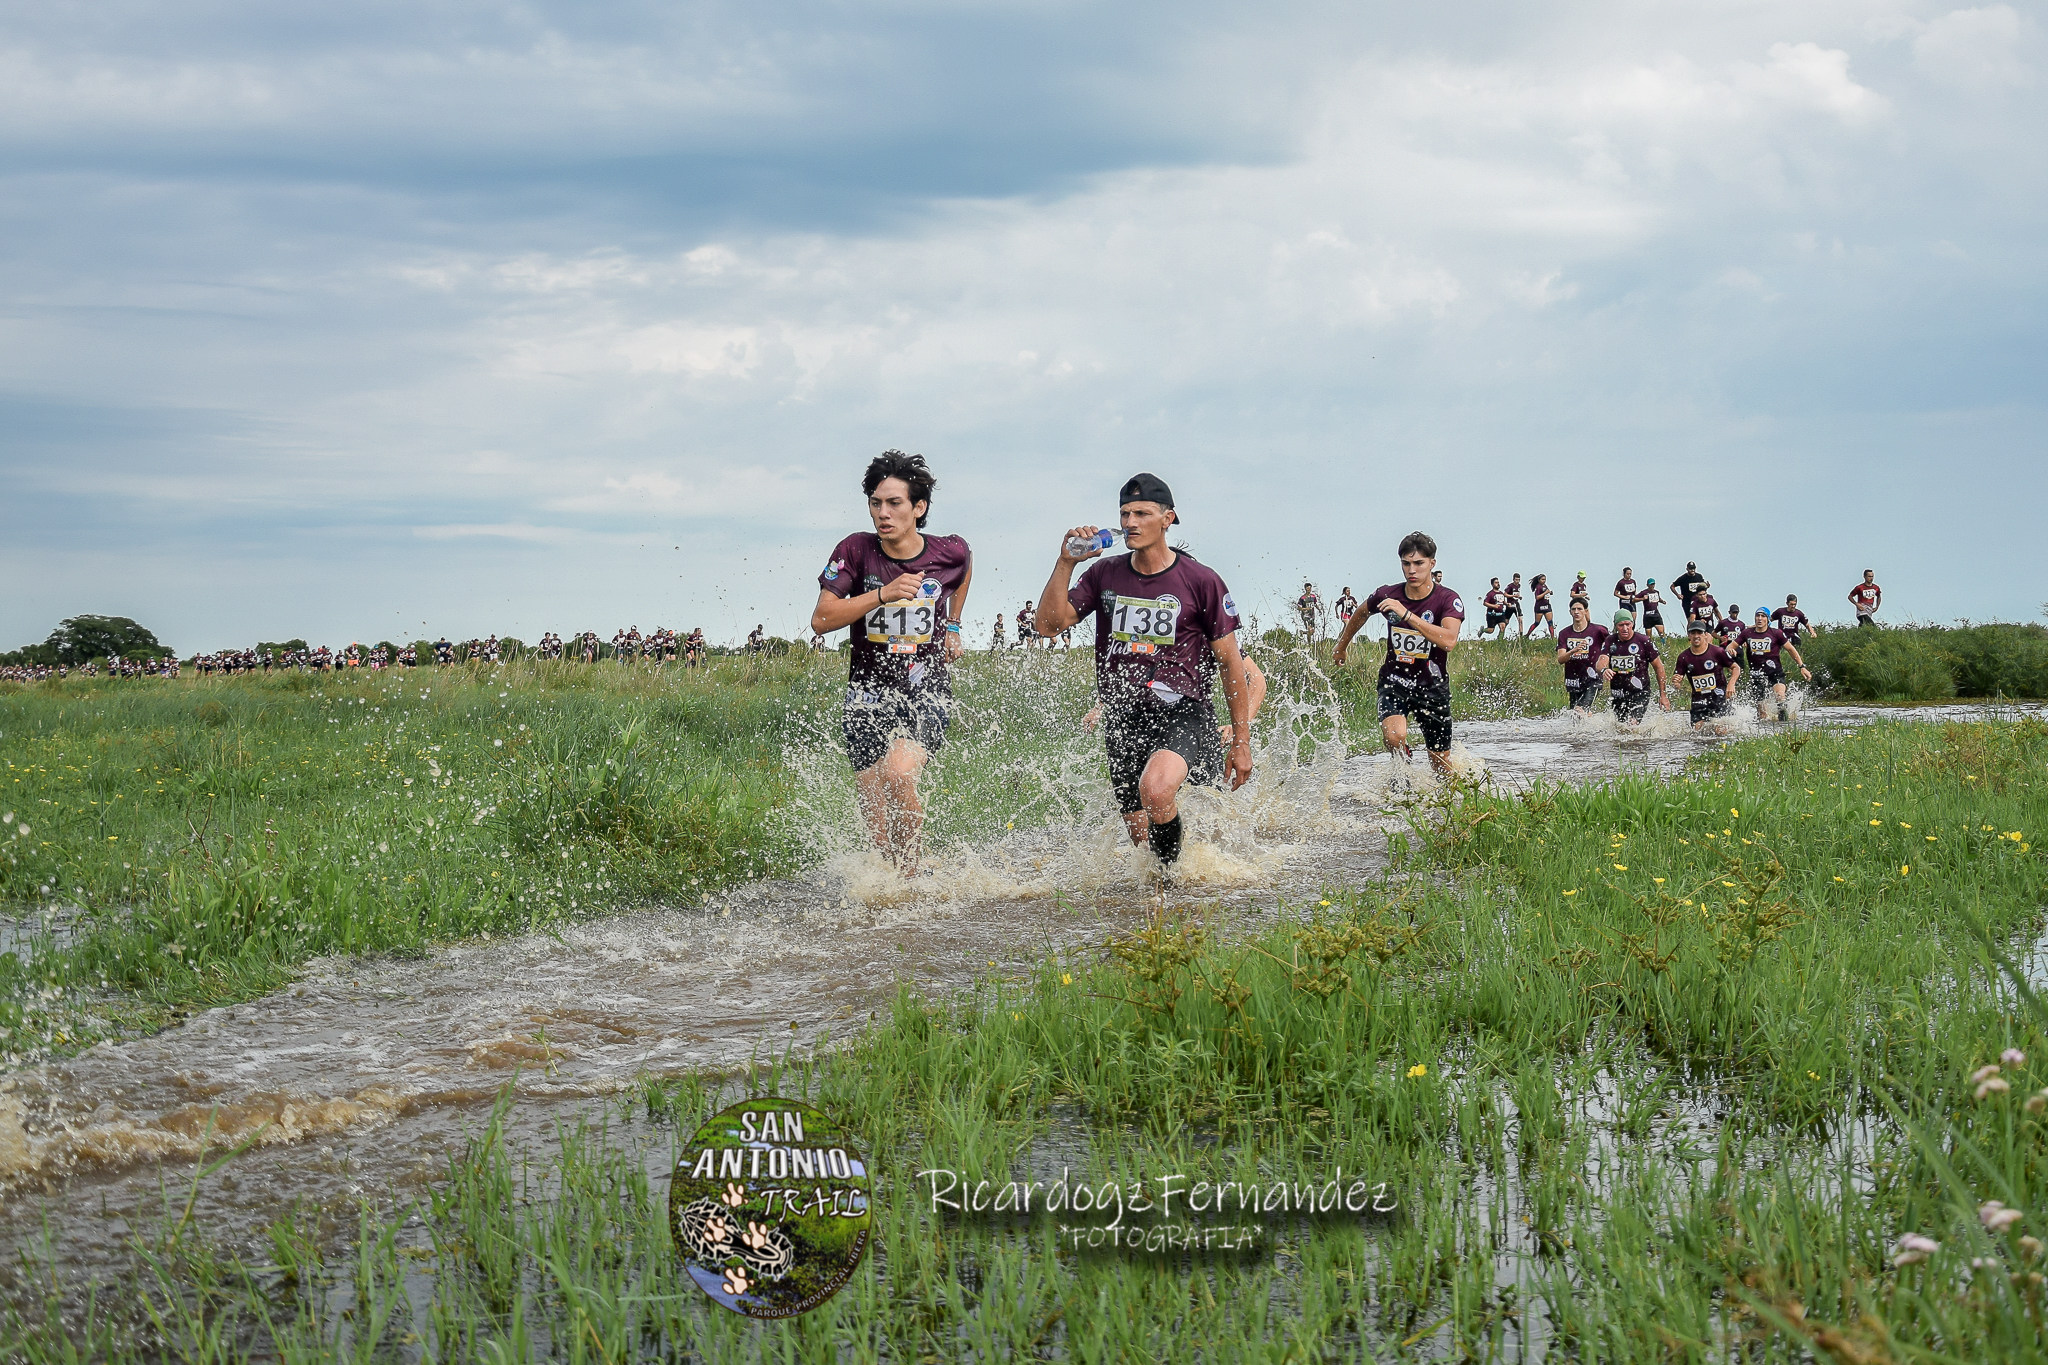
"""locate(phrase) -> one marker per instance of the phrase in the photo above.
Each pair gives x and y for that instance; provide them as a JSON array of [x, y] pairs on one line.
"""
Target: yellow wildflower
[[1416, 1071]]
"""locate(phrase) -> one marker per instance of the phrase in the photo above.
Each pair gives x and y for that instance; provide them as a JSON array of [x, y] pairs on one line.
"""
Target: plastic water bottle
[[1078, 546]]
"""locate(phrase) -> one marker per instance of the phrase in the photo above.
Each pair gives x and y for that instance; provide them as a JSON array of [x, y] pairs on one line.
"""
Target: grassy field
[[1653, 1071], [192, 842]]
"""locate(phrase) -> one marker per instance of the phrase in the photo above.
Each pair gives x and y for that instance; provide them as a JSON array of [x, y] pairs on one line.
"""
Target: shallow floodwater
[[359, 1079]]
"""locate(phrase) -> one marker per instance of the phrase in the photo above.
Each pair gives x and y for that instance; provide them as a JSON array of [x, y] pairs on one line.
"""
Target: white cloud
[[1974, 49]]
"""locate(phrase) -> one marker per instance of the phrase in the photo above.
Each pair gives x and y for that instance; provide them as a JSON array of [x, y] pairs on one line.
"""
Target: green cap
[[1621, 616]]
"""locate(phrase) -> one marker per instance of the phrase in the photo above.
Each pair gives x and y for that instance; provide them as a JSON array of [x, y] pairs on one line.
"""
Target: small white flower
[[2012, 1056], [1997, 1085], [1983, 1073], [1996, 1217], [1913, 1248]]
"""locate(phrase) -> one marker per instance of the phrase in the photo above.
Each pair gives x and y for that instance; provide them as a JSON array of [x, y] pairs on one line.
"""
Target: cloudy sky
[[394, 319]]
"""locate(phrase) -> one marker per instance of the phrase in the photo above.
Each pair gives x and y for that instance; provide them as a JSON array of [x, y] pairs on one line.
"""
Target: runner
[[1628, 655], [1346, 605], [1729, 628], [1625, 592], [901, 592], [1423, 617], [1865, 597], [1496, 604], [1580, 592], [1580, 649], [1514, 605], [1310, 608], [1686, 584], [1703, 607], [995, 643], [1539, 588], [1793, 621], [1759, 649], [1165, 625], [1709, 673], [1653, 608], [1025, 627]]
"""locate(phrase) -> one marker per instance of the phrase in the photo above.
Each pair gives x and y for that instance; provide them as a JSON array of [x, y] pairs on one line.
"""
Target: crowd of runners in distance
[[1166, 638], [116, 667]]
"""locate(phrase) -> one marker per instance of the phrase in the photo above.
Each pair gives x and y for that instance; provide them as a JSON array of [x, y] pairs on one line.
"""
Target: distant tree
[[279, 646], [510, 646], [79, 638], [29, 656]]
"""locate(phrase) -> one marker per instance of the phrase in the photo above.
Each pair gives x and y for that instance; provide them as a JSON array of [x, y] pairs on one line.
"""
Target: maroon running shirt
[[898, 646], [1865, 597], [1625, 589], [1705, 608], [1630, 659], [1791, 620], [1580, 648], [1705, 674], [1760, 648], [1413, 659], [1154, 631]]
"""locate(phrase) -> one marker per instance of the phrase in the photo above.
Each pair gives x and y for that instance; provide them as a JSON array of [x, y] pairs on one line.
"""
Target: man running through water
[[1794, 622], [1540, 614], [1165, 625], [1580, 647], [1865, 597], [1423, 617], [1628, 656], [1759, 648], [1709, 674], [902, 593]]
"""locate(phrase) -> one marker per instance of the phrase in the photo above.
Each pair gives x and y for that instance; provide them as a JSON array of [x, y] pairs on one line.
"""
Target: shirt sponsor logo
[[1229, 606], [832, 570]]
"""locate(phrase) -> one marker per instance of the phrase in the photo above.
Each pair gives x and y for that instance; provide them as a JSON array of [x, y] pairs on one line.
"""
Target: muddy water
[[360, 1079]]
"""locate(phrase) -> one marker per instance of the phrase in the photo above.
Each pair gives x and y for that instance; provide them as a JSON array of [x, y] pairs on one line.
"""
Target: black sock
[[1165, 839]]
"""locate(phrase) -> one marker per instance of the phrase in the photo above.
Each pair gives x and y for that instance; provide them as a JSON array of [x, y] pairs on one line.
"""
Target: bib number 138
[[1144, 623], [902, 626]]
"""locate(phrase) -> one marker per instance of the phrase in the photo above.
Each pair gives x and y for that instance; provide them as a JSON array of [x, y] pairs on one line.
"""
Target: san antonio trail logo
[[769, 1207]]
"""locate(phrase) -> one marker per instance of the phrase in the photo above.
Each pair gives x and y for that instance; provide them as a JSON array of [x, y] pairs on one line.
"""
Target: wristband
[[952, 627]]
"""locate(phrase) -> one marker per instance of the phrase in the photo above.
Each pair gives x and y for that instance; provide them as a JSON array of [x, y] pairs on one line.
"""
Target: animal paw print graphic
[[736, 1281], [734, 1196]]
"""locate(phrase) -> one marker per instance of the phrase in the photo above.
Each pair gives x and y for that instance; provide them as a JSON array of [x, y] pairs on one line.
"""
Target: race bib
[[1703, 683], [1759, 648], [1144, 624], [1410, 646], [1577, 649], [1622, 663], [902, 626]]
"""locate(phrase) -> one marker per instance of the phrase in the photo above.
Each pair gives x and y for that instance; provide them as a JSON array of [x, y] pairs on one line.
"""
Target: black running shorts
[[1134, 733], [1652, 618], [1427, 707], [872, 720], [1630, 707], [1584, 697], [1759, 681], [1715, 705]]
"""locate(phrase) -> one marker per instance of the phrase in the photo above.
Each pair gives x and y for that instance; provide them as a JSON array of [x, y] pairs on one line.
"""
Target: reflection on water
[[359, 1078]]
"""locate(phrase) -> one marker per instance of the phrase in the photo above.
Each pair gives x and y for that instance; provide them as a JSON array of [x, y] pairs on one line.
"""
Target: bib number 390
[[902, 626]]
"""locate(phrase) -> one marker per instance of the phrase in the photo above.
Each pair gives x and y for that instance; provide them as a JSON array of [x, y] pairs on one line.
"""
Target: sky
[[391, 320]]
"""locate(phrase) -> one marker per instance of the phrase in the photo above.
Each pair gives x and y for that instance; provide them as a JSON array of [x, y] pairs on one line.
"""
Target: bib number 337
[[902, 626], [1144, 624]]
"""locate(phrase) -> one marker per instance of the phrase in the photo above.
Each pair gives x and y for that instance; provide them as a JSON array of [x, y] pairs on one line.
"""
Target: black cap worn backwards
[[1699, 628], [1147, 488]]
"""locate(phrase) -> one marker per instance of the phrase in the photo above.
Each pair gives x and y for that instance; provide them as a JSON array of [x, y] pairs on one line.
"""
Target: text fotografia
[[1169, 1196]]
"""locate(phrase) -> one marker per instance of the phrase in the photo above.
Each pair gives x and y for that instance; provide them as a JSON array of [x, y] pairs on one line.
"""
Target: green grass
[[1626, 1118], [211, 836], [1931, 663]]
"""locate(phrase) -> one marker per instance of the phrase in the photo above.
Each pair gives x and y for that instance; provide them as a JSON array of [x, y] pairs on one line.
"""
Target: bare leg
[[889, 803]]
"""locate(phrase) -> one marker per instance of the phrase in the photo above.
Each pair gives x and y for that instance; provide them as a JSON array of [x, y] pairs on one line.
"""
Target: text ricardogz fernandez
[[952, 1190]]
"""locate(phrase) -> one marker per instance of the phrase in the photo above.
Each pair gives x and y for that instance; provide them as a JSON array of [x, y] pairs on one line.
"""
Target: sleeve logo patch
[[832, 570], [1229, 606]]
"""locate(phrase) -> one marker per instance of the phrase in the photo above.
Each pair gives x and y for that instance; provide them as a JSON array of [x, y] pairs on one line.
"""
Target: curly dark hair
[[894, 464]]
